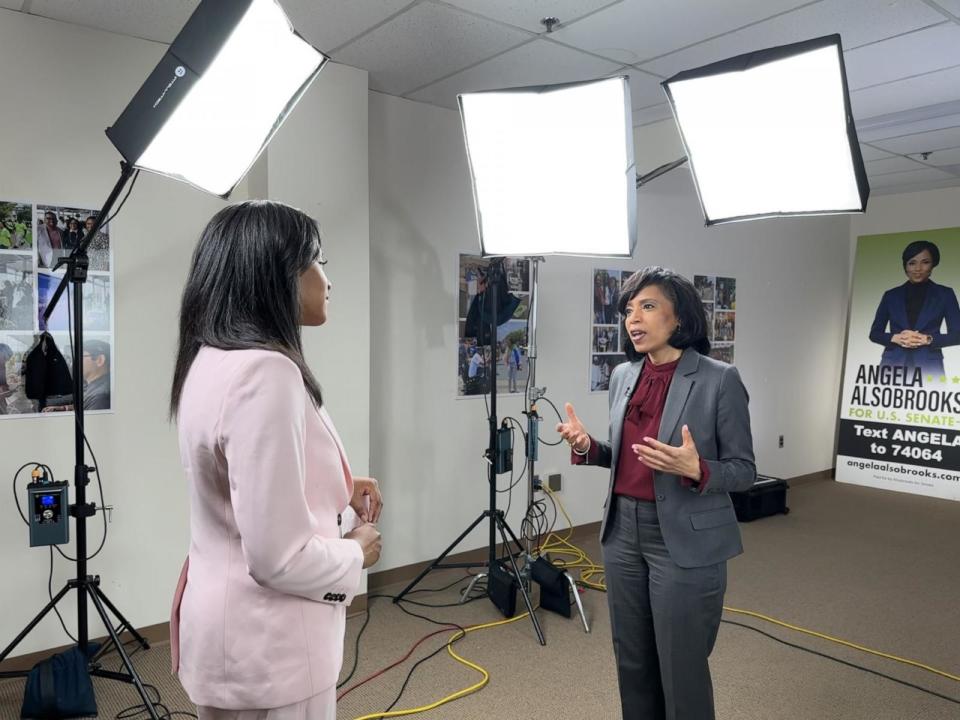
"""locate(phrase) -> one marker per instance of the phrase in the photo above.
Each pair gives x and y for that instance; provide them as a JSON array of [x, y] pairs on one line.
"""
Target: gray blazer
[[699, 528]]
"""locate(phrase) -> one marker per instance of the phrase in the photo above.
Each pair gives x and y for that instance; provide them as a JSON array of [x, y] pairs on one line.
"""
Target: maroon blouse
[[642, 419]]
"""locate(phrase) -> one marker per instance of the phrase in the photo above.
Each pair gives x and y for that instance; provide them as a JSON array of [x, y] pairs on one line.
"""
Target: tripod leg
[[576, 596], [33, 623], [466, 593], [513, 537], [439, 560], [516, 573], [124, 623], [134, 677]]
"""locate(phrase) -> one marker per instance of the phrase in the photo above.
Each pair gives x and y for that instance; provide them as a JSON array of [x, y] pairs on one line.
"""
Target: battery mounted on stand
[[503, 462], [47, 506]]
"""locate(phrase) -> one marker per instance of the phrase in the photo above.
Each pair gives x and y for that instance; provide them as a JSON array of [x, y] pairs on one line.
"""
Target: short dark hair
[[96, 348], [692, 329], [243, 288], [917, 247]]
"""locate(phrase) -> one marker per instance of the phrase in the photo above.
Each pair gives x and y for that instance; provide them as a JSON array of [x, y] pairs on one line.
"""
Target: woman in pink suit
[[258, 618]]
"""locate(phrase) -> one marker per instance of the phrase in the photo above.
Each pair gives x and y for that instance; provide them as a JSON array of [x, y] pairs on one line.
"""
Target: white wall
[[63, 85], [792, 285], [318, 162], [907, 211]]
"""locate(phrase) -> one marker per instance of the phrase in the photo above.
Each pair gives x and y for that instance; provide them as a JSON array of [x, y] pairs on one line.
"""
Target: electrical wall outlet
[[553, 482], [781, 441]]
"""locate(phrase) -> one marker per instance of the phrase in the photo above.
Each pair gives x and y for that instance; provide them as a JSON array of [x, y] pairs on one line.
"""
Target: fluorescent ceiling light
[[218, 95], [553, 169], [771, 133]]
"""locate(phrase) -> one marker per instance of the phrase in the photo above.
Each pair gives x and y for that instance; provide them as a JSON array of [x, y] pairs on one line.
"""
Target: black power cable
[[844, 662]]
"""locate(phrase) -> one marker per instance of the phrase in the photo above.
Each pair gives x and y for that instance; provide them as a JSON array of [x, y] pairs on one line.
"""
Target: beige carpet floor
[[875, 568]]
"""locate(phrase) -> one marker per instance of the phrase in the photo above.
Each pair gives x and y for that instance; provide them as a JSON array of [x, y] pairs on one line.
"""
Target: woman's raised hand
[[573, 431]]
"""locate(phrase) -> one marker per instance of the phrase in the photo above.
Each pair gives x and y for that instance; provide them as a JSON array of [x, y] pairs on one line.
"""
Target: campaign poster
[[900, 409]]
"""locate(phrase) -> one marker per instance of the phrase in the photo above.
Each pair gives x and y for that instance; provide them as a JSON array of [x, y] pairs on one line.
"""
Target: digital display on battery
[[48, 500]]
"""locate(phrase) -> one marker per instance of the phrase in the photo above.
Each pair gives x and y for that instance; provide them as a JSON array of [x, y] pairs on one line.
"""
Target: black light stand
[[496, 517], [87, 585], [534, 393]]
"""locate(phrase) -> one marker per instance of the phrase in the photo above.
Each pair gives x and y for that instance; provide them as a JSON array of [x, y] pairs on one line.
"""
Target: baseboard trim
[[154, 634], [819, 476]]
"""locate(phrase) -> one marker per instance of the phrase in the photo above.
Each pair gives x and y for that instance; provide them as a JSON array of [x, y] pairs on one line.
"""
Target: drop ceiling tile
[[908, 178], [914, 187], [871, 153], [930, 89], [944, 157], [426, 44], [894, 164], [922, 142], [650, 115], [857, 21], [536, 63], [951, 6], [914, 120], [152, 21], [527, 13], [917, 52], [650, 29], [328, 24]]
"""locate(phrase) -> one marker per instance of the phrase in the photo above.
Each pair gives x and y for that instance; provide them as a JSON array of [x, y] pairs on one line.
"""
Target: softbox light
[[553, 169], [218, 94], [770, 133]]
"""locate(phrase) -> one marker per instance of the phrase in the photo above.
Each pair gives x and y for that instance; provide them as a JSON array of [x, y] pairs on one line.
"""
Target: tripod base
[[90, 585], [497, 518]]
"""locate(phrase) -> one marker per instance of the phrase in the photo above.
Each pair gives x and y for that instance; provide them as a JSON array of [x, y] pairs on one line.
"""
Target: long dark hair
[[243, 290], [692, 330]]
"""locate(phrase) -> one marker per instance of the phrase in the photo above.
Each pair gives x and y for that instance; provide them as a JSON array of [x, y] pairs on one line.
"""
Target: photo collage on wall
[[33, 237], [719, 298], [606, 330], [474, 359]]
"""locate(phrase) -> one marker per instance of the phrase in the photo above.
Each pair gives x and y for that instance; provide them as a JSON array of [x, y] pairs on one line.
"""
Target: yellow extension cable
[[558, 545], [846, 643], [563, 546], [460, 693]]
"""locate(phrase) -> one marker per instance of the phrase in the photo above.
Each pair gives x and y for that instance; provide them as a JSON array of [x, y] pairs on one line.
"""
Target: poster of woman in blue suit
[[916, 320], [899, 416]]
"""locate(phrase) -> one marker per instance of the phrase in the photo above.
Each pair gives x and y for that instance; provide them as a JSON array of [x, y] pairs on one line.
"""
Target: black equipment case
[[768, 496]]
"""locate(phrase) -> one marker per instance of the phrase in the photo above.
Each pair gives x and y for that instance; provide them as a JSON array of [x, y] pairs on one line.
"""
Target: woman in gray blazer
[[679, 442]]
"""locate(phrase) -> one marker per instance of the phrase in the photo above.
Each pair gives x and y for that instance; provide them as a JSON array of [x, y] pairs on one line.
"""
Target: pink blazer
[[258, 616]]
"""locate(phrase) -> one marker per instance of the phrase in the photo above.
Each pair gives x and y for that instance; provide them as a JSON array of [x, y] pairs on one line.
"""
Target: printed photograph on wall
[[16, 292], [96, 303], [33, 237], [13, 398], [705, 286], [16, 232], [900, 408], [474, 358], [719, 297], [60, 229], [606, 351]]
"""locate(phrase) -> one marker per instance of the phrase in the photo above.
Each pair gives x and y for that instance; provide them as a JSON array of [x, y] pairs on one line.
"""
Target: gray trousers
[[664, 619]]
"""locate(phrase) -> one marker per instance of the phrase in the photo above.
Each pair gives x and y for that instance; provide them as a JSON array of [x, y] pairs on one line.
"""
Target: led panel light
[[218, 95], [553, 169], [770, 133]]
